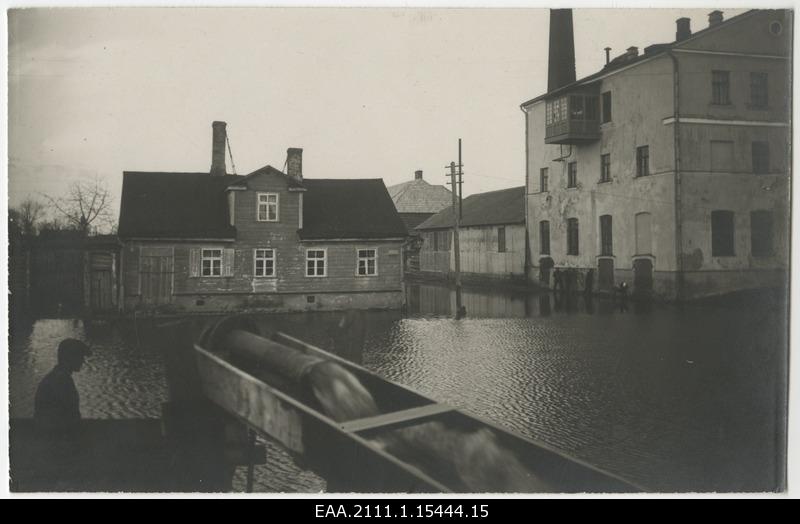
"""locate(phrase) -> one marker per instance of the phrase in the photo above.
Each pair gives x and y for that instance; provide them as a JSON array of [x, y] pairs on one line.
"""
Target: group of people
[[566, 280]]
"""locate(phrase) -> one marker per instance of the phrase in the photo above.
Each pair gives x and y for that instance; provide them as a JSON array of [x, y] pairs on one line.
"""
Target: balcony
[[573, 118]]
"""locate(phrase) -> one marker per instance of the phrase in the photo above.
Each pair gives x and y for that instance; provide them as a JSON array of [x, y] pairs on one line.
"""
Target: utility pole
[[456, 186]]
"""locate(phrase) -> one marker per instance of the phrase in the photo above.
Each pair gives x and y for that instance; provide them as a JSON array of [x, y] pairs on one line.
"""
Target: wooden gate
[[101, 289], [156, 269]]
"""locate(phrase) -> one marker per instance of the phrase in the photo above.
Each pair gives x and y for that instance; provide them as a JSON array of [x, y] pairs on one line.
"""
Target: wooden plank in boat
[[251, 399], [395, 418]]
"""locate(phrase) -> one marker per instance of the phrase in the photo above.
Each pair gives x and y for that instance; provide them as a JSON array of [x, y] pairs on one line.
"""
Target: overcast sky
[[367, 93]]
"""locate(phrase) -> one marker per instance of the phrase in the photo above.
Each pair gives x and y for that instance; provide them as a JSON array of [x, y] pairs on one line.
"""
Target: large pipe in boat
[[341, 395]]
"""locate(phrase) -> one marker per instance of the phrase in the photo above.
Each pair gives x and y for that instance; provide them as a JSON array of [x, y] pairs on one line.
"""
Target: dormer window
[[267, 210]]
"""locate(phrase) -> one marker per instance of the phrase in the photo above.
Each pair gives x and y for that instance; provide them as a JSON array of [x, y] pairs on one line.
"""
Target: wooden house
[[268, 240]]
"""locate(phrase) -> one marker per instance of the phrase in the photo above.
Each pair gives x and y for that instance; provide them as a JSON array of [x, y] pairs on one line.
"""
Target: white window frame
[[324, 262], [273, 258], [220, 258], [267, 204], [359, 258]]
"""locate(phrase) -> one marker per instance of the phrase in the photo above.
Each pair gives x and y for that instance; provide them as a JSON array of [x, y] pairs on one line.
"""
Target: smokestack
[[418, 174], [218, 138], [294, 163], [683, 29], [608, 55], [561, 60], [714, 18]]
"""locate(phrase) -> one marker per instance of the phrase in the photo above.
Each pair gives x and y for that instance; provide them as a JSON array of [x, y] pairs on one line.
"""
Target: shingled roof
[[175, 205], [418, 196], [506, 206], [349, 208], [194, 205]]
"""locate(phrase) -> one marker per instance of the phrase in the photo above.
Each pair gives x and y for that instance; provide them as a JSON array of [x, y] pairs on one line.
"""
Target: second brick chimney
[[714, 18], [683, 29], [294, 163], [418, 174], [218, 138]]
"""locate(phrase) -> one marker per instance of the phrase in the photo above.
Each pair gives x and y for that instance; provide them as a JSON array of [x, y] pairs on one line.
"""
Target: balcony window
[[574, 118]]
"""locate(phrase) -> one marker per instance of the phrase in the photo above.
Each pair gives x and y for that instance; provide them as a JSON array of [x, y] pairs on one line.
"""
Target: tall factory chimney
[[218, 138], [561, 59]]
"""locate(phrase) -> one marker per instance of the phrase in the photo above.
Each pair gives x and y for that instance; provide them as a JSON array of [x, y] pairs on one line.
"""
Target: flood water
[[673, 398]]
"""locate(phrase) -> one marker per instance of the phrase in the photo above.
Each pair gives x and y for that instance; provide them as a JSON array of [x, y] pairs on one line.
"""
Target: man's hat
[[72, 346]]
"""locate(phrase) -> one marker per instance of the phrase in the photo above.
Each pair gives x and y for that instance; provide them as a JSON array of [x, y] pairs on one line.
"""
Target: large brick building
[[670, 168]]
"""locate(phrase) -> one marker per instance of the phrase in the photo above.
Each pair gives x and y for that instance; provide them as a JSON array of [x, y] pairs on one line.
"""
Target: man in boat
[[57, 403]]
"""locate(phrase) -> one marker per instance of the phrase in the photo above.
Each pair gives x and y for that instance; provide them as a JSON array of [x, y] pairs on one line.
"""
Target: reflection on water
[[674, 398]]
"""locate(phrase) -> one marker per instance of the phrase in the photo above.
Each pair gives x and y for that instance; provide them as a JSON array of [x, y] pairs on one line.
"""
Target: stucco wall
[[641, 99]]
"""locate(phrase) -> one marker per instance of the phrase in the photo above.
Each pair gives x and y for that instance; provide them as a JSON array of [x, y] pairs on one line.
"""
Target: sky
[[367, 93]]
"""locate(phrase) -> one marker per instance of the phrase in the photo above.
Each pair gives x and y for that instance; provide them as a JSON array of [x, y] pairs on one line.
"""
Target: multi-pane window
[[544, 175], [501, 240], [760, 151], [605, 168], [315, 262], [606, 240], [758, 90], [572, 174], [211, 263], [441, 240], [544, 237], [720, 87], [572, 236], [264, 263], [761, 233], [367, 262], [555, 110], [606, 107], [642, 161], [722, 237], [267, 207]]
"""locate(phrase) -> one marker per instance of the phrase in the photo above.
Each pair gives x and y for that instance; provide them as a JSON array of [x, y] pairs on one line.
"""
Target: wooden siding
[[290, 254], [479, 252]]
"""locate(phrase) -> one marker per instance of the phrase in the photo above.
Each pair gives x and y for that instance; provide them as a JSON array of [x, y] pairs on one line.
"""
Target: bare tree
[[86, 206], [28, 216]]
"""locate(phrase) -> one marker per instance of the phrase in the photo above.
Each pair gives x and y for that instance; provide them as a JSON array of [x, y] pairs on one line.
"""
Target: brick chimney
[[714, 18], [633, 51], [418, 174], [218, 138], [561, 59], [683, 29], [294, 163]]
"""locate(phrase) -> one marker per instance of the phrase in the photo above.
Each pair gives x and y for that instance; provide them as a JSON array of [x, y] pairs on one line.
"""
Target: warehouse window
[[720, 88], [572, 236], [607, 107], [761, 233], [758, 90], [606, 241], [605, 168], [572, 174], [760, 151], [544, 237], [501, 239], [642, 161], [722, 234]]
